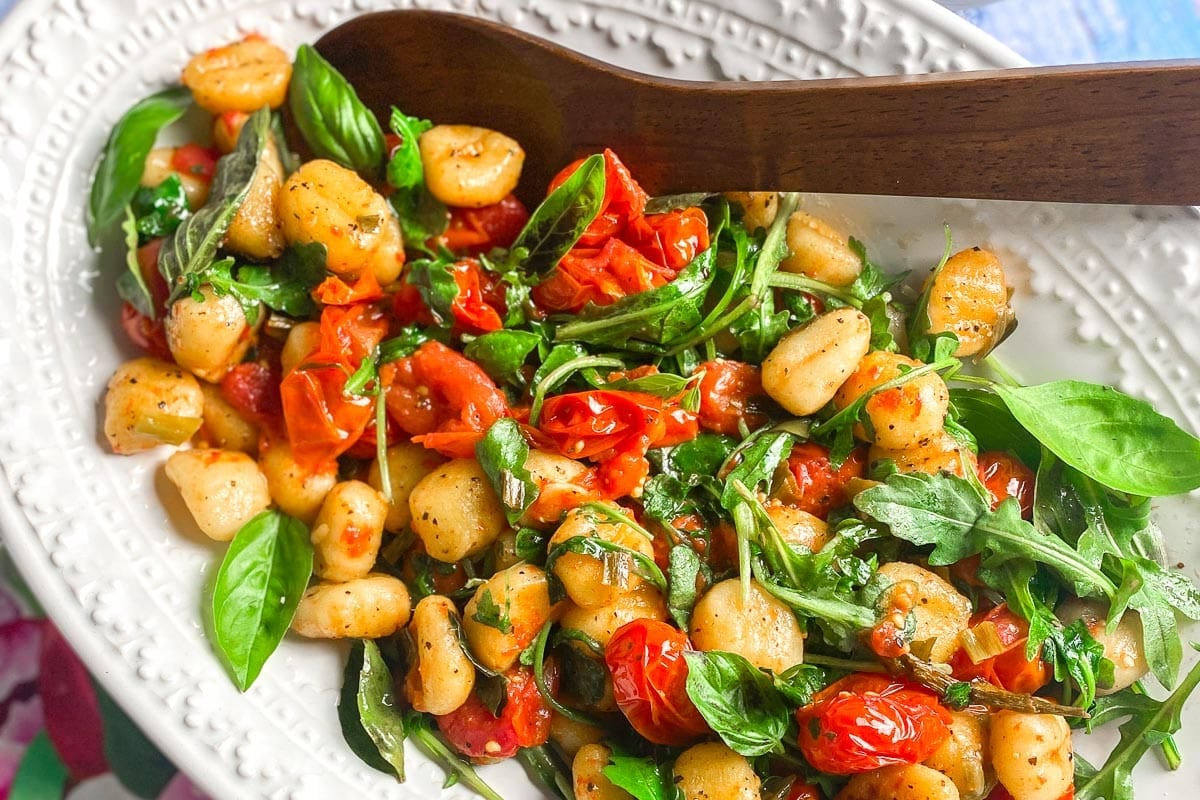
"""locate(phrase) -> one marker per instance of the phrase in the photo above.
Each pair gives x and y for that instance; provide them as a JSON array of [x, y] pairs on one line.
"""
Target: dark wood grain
[[1101, 134]]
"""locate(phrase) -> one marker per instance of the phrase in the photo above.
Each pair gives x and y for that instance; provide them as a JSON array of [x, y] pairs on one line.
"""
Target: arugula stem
[[1002, 372], [848, 664], [851, 412], [613, 515], [743, 524], [1170, 750], [801, 283], [551, 381], [539, 680]]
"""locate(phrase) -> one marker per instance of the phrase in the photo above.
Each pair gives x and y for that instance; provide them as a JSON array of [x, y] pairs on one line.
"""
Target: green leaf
[[421, 215], [617, 559], [544, 762], [193, 247], [756, 463], [285, 287], [557, 223], [986, 416], [119, 171], [131, 284], [738, 701], [487, 612], [403, 344], [800, 683], [353, 731], [331, 118], [1148, 723], [947, 512], [1111, 437], [41, 774], [659, 384], [405, 169], [434, 279], [683, 568], [502, 453], [503, 353], [644, 778], [377, 705], [258, 586], [701, 456], [160, 209], [136, 762]]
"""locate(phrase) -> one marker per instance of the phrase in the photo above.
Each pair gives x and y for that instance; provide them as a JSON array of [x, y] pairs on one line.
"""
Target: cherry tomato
[[471, 309], [192, 159], [819, 488], [1005, 476], [148, 334], [524, 721], [600, 276], [624, 199], [731, 392], [672, 239], [472, 231], [333, 291], [864, 721], [253, 388], [1010, 669], [322, 420], [443, 399], [649, 676], [800, 790]]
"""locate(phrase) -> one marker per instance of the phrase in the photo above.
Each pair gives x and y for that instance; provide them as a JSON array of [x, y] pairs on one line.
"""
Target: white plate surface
[[1110, 294]]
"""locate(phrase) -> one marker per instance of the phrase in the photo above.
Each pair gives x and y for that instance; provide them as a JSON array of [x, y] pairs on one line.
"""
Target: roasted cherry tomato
[[649, 676], [472, 231], [864, 721], [1010, 669], [672, 239], [524, 720], [322, 420], [731, 392], [472, 311], [192, 159], [253, 389], [333, 291], [799, 790], [818, 487], [443, 399], [600, 276], [624, 199], [1005, 476], [149, 334]]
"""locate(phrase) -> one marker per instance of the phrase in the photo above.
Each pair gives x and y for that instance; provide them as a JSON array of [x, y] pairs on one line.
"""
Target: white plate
[[1104, 293]]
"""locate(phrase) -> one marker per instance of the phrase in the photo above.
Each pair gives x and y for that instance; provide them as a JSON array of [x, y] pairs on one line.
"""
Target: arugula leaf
[[502, 453], [871, 282], [947, 512], [487, 612], [257, 590], [617, 559], [758, 331], [434, 279], [288, 159], [1111, 437], [701, 456], [683, 569], [756, 461], [503, 353], [160, 209], [644, 778], [131, 284], [286, 287], [738, 701], [331, 118], [420, 730], [371, 724], [405, 169], [119, 171], [1148, 723], [192, 248], [557, 223], [559, 356], [659, 384]]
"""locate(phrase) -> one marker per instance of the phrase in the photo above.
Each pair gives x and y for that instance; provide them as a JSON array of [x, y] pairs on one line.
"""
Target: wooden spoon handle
[[1100, 134]]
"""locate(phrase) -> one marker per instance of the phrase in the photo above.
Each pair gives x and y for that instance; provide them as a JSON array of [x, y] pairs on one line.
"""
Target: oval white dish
[[1108, 294]]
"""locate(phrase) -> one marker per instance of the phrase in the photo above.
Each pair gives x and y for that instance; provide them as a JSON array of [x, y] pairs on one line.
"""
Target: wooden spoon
[[1126, 133]]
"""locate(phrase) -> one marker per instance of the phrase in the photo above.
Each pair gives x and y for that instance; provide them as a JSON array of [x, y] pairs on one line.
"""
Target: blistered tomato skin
[[649, 675], [1004, 477], [524, 721]]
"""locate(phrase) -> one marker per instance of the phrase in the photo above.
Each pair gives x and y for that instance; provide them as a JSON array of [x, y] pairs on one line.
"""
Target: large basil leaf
[[738, 701], [502, 453], [119, 170], [257, 590], [556, 225], [193, 247], [372, 725], [332, 119], [987, 417], [1111, 437]]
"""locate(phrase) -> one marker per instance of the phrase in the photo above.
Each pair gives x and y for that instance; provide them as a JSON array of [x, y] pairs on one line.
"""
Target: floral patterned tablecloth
[[60, 734]]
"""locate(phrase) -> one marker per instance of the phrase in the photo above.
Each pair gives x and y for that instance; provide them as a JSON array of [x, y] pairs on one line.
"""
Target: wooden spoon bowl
[[1101, 134]]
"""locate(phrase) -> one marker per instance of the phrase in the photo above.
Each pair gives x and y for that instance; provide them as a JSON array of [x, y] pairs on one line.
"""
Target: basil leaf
[[738, 701], [644, 778], [288, 159], [559, 355], [119, 170], [556, 225], [131, 284], [434, 279], [353, 731], [503, 353], [800, 683], [160, 209], [332, 119], [683, 569], [995, 428], [502, 453], [1111, 437], [193, 247], [404, 169], [376, 708], [659, 384], [947, 512], [257, 589], [285, 287], [421, 215], [702, 456]]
